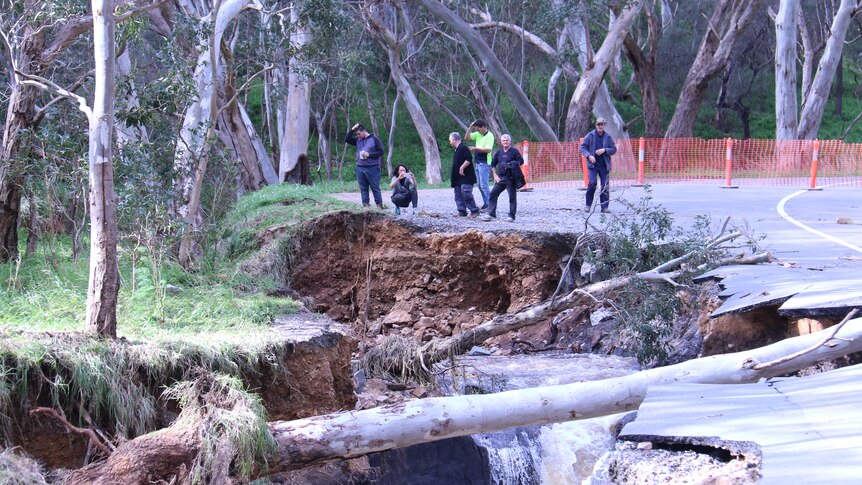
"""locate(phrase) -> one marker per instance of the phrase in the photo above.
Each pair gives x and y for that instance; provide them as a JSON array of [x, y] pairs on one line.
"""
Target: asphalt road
[[799, 226]]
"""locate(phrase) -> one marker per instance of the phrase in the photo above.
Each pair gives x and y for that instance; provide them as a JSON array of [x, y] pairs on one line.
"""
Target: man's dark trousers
[[601, 171], [369, 177]]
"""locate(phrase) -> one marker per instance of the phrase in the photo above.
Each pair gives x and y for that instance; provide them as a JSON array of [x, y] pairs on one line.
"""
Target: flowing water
[[562, 453]]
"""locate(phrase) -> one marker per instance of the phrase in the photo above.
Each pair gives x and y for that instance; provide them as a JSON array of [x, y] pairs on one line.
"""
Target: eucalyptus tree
[[592, 77], [815, 103], [394, 31], [104, 278], [729, 19], [540, 128], [35, 35], [198, 133], [785, 69], [642, 53]]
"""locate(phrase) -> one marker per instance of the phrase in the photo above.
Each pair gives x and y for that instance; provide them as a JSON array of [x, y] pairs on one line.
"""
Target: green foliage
[[643, 240]]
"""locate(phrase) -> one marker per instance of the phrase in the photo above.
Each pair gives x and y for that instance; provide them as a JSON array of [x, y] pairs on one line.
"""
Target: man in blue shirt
[[598, 147], [368, 153]]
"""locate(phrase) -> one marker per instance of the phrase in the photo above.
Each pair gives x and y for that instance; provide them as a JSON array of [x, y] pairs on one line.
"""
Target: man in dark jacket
[[598, 147], [368, 153], [463, 177], [505, 164]]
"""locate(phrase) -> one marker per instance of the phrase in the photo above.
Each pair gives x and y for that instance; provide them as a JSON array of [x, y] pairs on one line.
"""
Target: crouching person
[[404, 189]]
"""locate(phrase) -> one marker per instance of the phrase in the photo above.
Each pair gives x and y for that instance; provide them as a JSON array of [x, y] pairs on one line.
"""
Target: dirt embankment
[[389, 277]]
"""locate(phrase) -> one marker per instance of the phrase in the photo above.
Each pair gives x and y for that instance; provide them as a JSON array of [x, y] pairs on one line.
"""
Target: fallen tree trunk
[[352, 434], [357, 433]]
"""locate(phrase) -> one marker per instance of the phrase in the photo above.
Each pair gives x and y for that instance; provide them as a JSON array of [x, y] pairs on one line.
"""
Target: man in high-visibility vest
[[597, 147]]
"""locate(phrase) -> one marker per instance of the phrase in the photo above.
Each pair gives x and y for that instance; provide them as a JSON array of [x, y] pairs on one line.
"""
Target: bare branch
[[244, 85], [48, 85], [787, 358], [94, 439], [72, 88]]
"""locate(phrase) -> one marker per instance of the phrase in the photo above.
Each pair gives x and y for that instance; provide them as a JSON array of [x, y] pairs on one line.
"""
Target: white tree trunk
[[356, 433], [812, 112], [125, 133], [785, 70], [198, 115], [603, 106], [592, 78], [298, 105], [525, 108], [807, 56], [104, 282]]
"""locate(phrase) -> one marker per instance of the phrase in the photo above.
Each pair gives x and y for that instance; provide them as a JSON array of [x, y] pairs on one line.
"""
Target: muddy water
[[554, 454]]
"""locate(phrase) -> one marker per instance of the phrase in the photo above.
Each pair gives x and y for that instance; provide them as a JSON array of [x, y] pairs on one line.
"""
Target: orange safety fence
[[723, 162]]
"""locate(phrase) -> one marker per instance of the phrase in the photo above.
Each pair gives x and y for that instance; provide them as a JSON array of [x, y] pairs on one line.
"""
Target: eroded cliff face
[[387, 277]]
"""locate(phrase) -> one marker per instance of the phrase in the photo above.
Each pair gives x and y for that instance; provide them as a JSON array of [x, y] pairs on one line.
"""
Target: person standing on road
[[503, 165], [404, 191], [463, 177], [484, 145], [368, 153], [598, 147]]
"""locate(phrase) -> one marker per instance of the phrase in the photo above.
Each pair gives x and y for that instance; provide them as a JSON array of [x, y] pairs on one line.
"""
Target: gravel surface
[[542, 210]]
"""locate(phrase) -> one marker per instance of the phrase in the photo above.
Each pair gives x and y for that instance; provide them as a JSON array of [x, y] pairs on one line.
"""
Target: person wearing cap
[[368, 153], [597, 148], [479, 133]]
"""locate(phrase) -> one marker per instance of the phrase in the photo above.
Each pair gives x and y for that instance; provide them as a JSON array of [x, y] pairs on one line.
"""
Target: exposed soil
[[388, 276]]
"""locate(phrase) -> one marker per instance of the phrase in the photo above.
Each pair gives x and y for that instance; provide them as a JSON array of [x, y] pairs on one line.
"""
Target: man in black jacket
[[463, 177], [368, 153]]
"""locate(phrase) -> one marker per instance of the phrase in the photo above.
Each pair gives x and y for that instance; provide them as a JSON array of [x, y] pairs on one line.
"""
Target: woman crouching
[[404, 189]]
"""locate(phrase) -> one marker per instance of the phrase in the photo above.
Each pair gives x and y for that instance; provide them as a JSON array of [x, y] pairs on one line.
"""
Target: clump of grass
[[395, 358], [116, 384], [232, 425], [17, 469]]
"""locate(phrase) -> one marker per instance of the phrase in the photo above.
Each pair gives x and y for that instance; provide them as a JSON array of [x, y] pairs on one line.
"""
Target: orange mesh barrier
[[695, 160]]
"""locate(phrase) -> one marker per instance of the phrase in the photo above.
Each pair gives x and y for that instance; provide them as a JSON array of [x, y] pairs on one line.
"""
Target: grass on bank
[[217, 321]]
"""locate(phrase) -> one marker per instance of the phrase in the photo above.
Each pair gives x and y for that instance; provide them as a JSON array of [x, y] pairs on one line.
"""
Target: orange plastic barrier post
[[584, 164], [815, 161], [525, 168], [641, 146], [728, 162]]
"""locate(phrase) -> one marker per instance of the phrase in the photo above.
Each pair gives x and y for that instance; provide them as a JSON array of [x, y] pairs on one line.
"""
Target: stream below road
[[563, 453]]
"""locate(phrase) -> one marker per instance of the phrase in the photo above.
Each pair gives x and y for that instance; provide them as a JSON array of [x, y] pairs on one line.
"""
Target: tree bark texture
[[394, 46], [785, 70], [20, 114], [356, 433], [815, 104], [581, 105], [104, 283], [644, 65], [540, 128], [297, 108], [193, 134], [728, 21]]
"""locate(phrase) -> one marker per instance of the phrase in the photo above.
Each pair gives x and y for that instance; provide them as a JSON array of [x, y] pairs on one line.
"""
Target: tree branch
[[94, 439], [825, 342], [48, 85]]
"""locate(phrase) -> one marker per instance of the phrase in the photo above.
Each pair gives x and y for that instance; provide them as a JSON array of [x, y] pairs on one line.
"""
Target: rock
[[478, 351], [173, 290], [423, 323], [401, 312], [844, 220], [600, 316], [644, 445]]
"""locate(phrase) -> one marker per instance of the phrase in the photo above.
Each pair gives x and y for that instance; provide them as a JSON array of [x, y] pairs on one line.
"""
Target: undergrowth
[[642, 240], [232, 425], [117, 384]]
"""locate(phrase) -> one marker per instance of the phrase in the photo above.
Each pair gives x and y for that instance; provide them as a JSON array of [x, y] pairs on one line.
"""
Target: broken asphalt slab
[[806, 428]]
